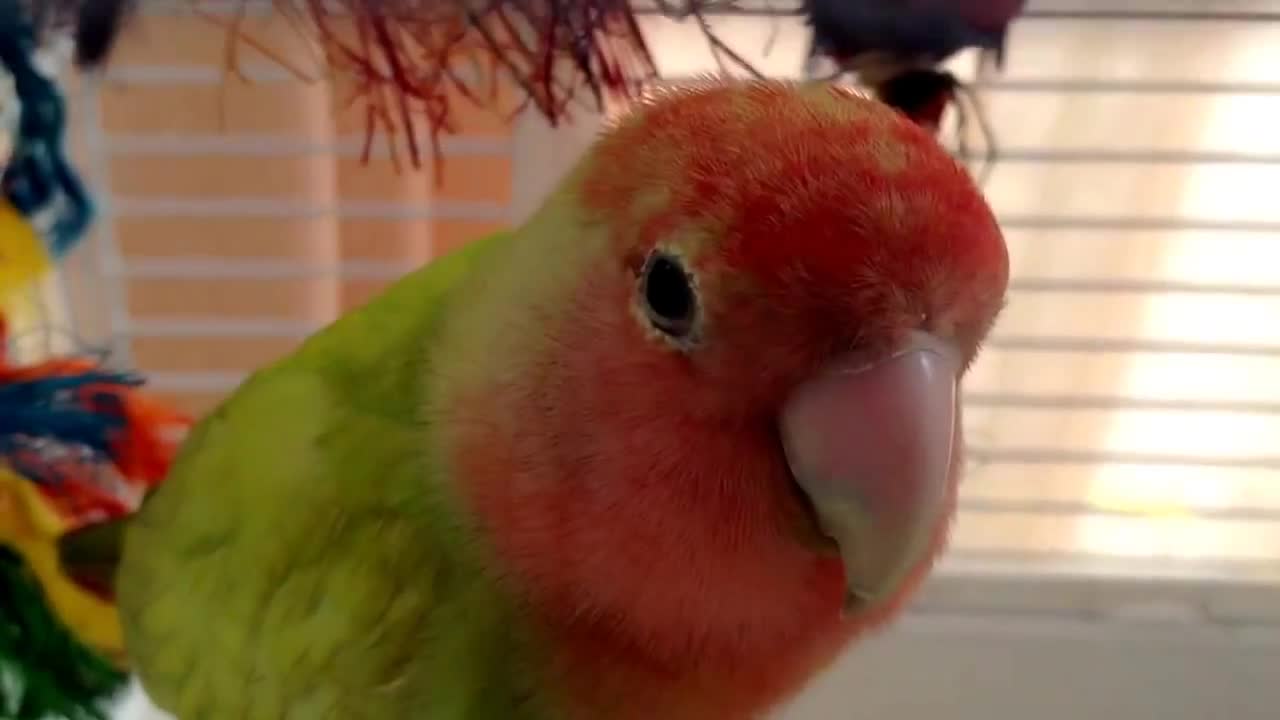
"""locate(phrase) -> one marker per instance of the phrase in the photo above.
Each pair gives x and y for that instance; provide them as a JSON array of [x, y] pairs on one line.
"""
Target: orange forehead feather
[[779, 172], [674, 135]]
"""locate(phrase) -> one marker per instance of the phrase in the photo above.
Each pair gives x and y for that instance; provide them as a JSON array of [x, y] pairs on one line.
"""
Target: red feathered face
[[751, 400], [810, 261]]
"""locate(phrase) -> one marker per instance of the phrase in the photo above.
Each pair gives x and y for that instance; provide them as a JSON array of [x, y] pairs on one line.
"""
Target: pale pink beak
[[871, 445]]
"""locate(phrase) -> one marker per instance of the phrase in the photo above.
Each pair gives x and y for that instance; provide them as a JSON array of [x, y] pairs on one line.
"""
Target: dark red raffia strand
[[412, 61]]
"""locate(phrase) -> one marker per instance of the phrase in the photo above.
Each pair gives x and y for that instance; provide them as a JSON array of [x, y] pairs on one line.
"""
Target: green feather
[[305, 551]]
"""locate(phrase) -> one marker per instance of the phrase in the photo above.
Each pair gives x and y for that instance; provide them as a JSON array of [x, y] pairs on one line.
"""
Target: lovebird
[[662, 451]]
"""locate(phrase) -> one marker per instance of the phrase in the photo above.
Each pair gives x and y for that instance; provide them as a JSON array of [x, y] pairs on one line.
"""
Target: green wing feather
[[302, 560]]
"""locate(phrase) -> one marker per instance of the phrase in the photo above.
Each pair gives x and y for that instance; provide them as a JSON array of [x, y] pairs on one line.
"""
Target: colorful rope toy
[[79, 444]]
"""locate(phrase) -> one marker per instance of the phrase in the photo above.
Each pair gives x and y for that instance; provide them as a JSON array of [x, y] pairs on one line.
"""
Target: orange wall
[[175, 134]]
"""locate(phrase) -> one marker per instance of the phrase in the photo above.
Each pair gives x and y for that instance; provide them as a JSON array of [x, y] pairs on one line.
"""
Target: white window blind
[[1124, 421]]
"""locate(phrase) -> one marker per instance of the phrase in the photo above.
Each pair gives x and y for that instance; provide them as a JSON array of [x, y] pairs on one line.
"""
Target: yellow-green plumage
[[304, 551]]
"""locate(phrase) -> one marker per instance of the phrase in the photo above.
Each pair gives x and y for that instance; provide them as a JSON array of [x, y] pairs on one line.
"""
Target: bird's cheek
[[871, 445]]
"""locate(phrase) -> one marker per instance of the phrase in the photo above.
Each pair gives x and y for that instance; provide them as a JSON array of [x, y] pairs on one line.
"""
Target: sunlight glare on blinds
[[1128, 404], [1171, 498]]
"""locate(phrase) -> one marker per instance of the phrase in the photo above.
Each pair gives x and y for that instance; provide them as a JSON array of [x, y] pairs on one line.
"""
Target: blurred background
[[1118, 550]]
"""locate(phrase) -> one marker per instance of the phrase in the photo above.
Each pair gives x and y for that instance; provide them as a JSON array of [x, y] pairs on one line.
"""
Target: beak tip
[[854, 600], [858, 600]]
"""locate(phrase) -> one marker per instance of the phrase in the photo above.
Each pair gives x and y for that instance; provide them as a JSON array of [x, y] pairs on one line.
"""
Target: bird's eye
[[667, 292]]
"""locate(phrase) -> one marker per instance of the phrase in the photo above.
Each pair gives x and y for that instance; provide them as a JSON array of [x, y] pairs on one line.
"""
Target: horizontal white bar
[[1022, 221], [1051, 343], [283, 208], [1083, 508], [178, 327], [1099, 402], [1227, 570], [1063, 155], [218, 268], [1099, 85], [1055, 456], [1136, 285], [181, 145], [1202, 572], [250, 68]]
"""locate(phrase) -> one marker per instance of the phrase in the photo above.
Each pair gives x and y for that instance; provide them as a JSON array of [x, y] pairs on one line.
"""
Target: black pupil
[[667, 291]]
